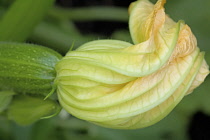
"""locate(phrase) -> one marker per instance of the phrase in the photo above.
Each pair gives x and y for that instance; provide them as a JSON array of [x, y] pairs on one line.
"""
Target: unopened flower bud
[[120, 85]]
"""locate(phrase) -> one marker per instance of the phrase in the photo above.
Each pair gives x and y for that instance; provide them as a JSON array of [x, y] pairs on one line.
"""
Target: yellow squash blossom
[[121, 85]]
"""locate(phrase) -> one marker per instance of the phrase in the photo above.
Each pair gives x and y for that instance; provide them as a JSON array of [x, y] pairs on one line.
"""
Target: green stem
[[59, 39], [90, 13], [20, 19]]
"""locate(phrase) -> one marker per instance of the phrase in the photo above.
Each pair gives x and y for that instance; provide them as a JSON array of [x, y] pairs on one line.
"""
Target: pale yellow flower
[[120, 85]]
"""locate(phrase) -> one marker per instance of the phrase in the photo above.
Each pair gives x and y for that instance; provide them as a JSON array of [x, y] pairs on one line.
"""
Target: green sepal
[[25, 110], [5, 99], [27, 68]]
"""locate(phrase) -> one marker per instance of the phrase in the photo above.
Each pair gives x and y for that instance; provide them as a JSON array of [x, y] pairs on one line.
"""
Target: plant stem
[[52, 36], [90, 13]]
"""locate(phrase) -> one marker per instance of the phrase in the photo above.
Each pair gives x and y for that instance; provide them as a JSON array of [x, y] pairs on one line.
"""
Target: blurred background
[[78, 21]]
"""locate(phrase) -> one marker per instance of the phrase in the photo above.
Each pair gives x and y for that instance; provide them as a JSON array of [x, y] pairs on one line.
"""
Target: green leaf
[[5, 99], [21, 18], [25, 110]]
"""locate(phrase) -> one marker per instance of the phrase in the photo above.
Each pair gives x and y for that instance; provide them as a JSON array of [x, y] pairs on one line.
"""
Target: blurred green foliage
[[58, 32]]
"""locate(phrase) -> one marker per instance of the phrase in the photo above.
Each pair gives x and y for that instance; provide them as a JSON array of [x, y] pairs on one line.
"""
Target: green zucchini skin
[[27, 68]]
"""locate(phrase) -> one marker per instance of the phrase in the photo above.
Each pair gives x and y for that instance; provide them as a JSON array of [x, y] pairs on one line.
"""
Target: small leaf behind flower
[[25, 110]]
